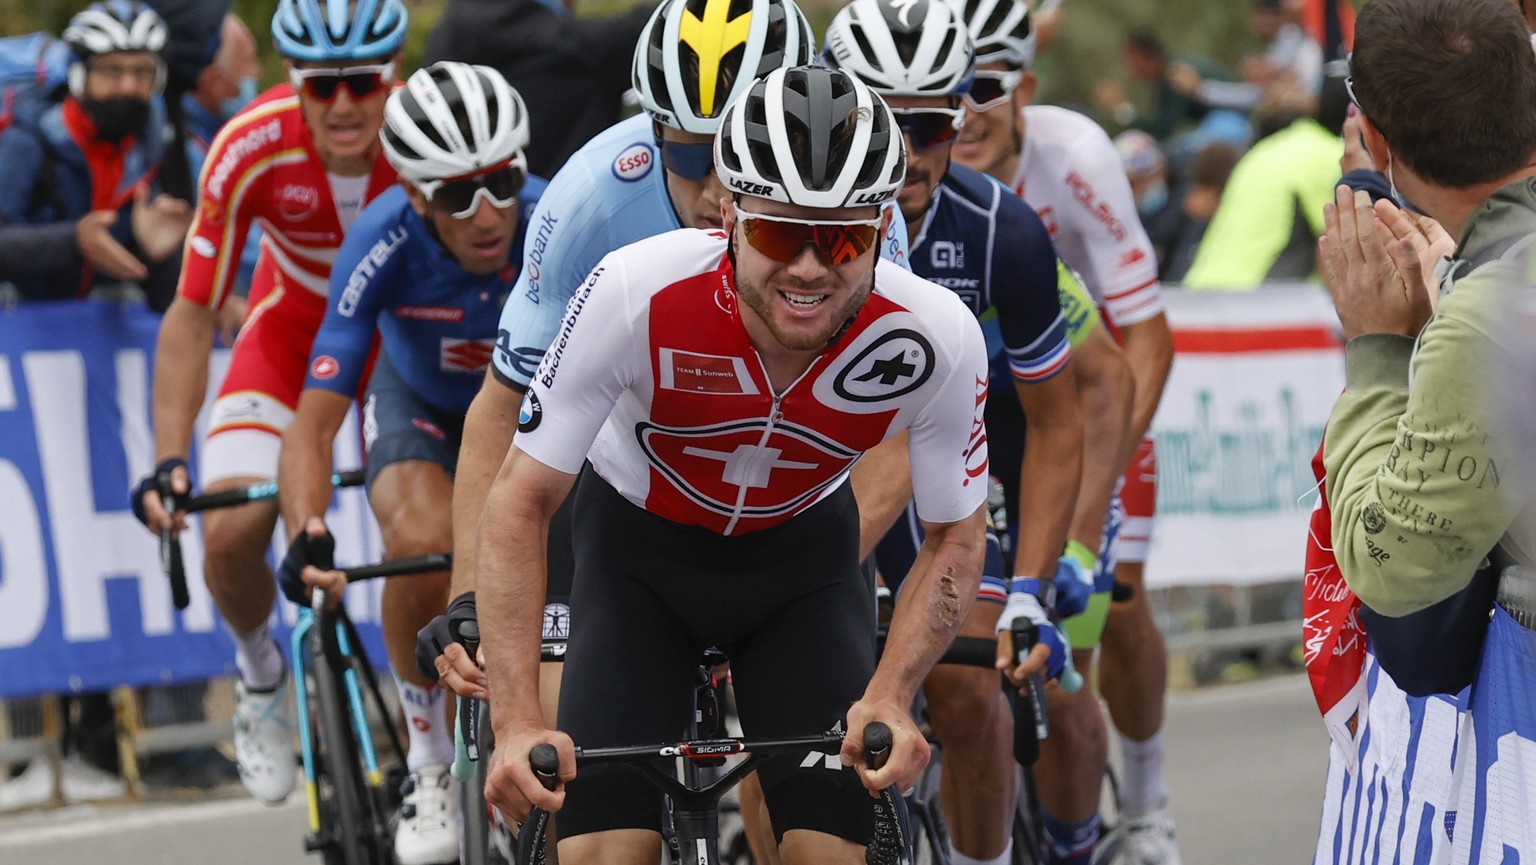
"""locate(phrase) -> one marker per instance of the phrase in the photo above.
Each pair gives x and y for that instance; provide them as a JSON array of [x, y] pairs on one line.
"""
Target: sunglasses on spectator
[[689, 161], [928, 128], [782, 238], [992, 87], [460, 196], [322, 83]]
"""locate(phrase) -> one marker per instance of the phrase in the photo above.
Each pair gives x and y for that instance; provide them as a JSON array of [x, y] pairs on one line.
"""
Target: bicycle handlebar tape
[[170, 543], [1031, 726], [888, 846], [545, 761], [463, 768]]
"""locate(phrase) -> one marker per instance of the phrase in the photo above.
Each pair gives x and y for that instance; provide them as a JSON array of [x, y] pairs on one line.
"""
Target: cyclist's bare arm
[[304, 466], [181, 379], [489, 427], [935, 598], [1149, 350], [1051, 473], [882, 486], [512, 575], [1106, 393]]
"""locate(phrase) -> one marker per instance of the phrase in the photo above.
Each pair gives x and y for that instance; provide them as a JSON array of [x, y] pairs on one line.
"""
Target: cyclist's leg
[[797, 668], [629, 671]]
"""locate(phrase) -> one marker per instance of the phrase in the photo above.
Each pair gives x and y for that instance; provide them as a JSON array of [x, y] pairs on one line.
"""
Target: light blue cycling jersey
[[611, 193]]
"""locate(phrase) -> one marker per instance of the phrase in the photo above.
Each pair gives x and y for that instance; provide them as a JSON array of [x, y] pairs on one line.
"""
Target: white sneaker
[[32, 788], [83, 782], [264, 741], [1148, 840], [428, 833]]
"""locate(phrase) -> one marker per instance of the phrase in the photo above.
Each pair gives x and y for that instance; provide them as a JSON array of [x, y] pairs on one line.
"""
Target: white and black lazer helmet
[[694, 57], [811, 136], [114, 25], [902, 47], [1001, 30], [453, 120]]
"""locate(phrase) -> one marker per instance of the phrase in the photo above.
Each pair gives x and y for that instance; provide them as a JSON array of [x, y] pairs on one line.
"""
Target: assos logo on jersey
[[634, 163], [296, 202], [894, 365], [325, 367]]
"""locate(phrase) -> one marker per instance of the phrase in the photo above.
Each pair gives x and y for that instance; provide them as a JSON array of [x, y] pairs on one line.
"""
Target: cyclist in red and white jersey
[[1066, 167], [301, 161], [712, 388]]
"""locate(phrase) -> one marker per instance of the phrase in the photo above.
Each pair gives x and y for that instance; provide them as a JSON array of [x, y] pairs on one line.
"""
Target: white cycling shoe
[[264, 741], [1148, 840], [428, 833]]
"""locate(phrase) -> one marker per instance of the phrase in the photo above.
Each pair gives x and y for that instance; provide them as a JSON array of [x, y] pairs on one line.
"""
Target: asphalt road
[[1245, 766]]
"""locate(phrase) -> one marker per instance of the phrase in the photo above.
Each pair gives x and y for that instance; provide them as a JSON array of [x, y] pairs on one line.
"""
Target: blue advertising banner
[[84, 604]]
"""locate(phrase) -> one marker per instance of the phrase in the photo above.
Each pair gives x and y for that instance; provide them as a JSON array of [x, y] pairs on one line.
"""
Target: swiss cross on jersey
[[727, 454]]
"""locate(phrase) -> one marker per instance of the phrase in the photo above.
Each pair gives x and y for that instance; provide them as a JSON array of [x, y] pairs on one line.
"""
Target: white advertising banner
[[1254, 377]]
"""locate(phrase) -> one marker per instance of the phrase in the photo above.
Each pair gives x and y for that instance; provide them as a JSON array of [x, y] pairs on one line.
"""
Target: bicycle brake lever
[[545, 761]]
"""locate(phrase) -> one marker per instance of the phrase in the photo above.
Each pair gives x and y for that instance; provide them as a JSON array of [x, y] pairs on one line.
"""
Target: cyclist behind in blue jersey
[[643, 176], [426, 265], [976, 237]]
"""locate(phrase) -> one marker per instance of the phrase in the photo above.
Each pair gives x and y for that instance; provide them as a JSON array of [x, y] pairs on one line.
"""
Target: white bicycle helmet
[[451, 120], [695, 57], [114, 25], [811, 136], [337, 30], [1001, 30], [902, 47]]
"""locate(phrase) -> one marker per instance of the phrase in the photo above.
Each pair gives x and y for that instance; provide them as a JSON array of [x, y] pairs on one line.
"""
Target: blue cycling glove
[[151, 483], [303, 551], [1023, 601]]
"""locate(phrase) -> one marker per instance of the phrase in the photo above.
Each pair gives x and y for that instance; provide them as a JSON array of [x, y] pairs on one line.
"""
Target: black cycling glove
[[304, 550], [152, 484], [441, 631]]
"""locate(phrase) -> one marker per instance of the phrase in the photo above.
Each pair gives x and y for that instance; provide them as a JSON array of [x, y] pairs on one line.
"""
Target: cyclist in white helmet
[[721, 383], [301, 161], [426, 266]]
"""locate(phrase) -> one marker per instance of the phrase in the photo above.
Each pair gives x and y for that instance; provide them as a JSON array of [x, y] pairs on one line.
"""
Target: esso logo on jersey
[[296, 201], [325, 367], [634, 163]]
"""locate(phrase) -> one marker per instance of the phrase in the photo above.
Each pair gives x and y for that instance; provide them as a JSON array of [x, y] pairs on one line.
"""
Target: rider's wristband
[[1044, 590], [1080, 553]]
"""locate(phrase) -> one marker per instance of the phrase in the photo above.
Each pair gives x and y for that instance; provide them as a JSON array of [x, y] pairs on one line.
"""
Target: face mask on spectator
[[231, 106], [118, 117], [1152, 200]]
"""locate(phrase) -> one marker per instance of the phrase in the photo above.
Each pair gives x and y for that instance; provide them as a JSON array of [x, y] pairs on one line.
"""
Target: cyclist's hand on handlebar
[[510, 784], [310, 564], [146, 500], [909, 750], [1051, 650], [443, 659]]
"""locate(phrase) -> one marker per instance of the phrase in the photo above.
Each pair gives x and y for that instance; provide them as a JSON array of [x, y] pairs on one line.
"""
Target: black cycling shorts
[[789, 605]]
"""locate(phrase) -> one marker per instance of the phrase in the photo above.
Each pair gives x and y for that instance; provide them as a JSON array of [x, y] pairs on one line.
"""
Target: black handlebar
[[401, 567]]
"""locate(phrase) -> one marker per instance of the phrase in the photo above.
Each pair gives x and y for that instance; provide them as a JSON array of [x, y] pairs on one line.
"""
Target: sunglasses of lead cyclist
[[324, 82], [782, 238], [460, 196], [928, 128]]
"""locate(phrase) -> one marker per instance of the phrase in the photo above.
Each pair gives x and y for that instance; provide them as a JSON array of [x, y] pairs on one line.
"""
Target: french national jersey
[[984, 244], [262, 168], [1071, 175], [437, 320], [654, 379], [611, 192]]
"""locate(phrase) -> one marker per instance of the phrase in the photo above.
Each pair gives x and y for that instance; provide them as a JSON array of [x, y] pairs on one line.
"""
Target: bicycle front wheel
[[345, 823]]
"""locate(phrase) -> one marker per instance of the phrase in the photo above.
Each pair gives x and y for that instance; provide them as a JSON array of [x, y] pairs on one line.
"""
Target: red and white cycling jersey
[[1071, 175], [262, 167], [653, 378]]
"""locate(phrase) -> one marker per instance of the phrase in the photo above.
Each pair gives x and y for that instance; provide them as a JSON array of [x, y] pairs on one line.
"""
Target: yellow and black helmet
[[695, 56]]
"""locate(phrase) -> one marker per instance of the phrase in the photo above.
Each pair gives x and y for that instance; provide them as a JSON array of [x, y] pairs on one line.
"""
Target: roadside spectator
[[194, 35], [1146, 59], [1292, 60], [77, 210], [572, 72], [1208, 176], [1271, 210]]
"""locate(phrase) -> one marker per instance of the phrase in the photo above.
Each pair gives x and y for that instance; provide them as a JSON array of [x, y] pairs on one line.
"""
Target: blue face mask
[[248, 90], [1152, 200]]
